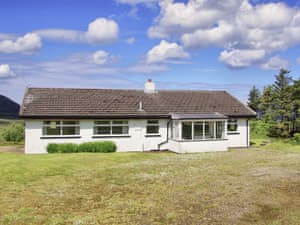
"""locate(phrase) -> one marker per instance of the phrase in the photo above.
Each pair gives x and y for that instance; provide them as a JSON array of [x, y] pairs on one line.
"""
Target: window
[[187, 130], [152, 127], [232, 126], [108, 127], [201, 130], [198, 130], [61, 128], [220, 130]]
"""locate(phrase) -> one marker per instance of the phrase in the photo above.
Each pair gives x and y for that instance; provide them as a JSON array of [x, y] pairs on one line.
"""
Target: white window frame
[[152, 125], [234, 122], [111, 125], [203, 132], [60, 125]]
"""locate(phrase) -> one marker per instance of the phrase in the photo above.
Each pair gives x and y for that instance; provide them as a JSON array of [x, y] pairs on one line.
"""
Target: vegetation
[[236, 187], [103, 146], [11, 132], [279, 105]]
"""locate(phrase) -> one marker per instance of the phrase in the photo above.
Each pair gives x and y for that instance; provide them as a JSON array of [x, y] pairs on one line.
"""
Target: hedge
[[103, 146]]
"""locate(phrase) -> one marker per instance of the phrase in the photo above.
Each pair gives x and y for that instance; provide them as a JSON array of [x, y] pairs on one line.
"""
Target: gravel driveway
[[13, 149]]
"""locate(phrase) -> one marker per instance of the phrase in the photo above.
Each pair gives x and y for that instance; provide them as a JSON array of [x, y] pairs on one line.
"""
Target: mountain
[[8, 108]]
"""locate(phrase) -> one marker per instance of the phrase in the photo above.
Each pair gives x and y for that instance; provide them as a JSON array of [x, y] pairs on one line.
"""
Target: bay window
[[202, 130]]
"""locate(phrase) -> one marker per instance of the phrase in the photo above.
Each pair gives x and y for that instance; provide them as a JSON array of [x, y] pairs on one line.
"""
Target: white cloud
[[298, 60], [241, 58], [130, 40], [28, 44], [275, 63], [100, 31], [62, 35], [166, 51], [101, 57], [234, 24], [5, 71], [218, 36], [177, 17]]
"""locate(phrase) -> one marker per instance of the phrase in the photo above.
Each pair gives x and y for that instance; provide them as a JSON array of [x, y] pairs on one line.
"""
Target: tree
[[254, 98], [296, 106], [277, 105]]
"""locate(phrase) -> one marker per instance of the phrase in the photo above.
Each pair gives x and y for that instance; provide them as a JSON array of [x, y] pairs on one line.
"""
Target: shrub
[[104, 146], [296, 138], [14, 132], [62, 148]]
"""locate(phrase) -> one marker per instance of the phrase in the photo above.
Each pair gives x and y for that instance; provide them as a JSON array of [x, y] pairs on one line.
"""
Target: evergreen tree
[[296, 105], [254, 98]]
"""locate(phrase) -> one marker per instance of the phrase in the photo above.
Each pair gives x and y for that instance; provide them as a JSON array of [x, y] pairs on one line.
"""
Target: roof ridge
[[123, 89]]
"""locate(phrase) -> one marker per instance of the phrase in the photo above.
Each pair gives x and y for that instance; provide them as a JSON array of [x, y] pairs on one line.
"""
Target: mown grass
[[251, 186]]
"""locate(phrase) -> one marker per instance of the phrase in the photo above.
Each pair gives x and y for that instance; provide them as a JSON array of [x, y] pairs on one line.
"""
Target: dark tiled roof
[[97, 103]]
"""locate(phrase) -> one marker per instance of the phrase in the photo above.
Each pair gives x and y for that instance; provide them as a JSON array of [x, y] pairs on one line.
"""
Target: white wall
[[239, 138], [196, 146], [136, 142]]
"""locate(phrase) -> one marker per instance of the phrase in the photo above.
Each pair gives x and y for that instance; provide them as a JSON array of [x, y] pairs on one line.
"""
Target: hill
[[8, 108]]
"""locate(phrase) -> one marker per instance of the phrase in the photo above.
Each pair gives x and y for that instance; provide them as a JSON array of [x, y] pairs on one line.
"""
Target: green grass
[[251, 186]]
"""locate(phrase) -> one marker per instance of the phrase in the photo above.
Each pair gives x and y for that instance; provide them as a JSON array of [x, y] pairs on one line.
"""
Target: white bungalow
[[136, 120]]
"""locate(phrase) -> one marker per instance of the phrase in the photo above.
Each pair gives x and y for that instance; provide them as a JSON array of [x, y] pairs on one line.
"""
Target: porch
[[197, 133]]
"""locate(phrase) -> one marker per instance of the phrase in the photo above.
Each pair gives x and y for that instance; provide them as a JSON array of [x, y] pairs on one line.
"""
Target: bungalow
[[136, 120]]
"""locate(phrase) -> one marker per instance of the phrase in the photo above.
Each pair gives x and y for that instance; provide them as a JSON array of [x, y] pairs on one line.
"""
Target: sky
[[193, 44]]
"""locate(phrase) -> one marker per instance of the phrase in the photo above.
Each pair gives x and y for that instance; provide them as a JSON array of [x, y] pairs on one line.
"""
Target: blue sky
[[193, 44]]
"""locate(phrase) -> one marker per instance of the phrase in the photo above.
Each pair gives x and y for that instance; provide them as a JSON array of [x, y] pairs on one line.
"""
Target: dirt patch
[[12, 149]]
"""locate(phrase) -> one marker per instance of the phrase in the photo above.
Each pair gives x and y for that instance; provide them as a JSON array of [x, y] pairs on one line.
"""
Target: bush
[[296, 138], [14, 132], [104, 146], [259, 128], [62, 148]]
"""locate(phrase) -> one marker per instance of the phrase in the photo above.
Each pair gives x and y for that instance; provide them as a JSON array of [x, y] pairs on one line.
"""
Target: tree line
[[278, 105]]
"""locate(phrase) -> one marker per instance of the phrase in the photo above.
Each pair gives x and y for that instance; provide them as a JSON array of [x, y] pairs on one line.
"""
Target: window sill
[[152, 135], [60, 137], [111, 136], [233, 133]]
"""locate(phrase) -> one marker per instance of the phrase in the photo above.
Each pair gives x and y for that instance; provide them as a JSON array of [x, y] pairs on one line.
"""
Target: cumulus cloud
[[275, 63], [241, 58], [28, 44], [166, 51], [5, 71], [100, 31], [177, 17], [101, 57], [234, 24]]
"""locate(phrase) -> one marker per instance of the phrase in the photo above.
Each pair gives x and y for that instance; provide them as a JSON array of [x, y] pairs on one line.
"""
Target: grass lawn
[[254, 186]]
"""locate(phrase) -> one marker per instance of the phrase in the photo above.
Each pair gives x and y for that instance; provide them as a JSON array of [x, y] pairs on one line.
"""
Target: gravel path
[[13, 149]]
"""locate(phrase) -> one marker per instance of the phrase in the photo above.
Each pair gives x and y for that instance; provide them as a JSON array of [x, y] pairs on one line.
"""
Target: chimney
[[149, 87]]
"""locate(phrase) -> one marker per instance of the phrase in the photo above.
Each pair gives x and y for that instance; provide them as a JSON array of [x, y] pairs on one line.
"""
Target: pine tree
[[254, 98]]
